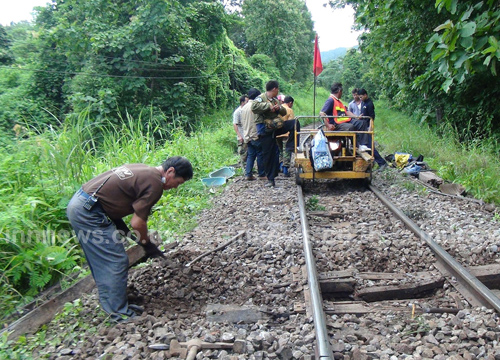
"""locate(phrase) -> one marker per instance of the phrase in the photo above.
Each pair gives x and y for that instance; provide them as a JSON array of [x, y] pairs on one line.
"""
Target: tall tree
[[126, 55], [6, 56], [417, 67], [283, 30]]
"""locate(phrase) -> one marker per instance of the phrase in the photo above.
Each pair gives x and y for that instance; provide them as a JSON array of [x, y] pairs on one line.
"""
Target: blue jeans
[[254, 151], [378, 159], [104, 251], [289, 127], [270, 155]]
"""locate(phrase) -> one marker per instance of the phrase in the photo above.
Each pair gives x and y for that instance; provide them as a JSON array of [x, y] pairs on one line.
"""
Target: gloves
[[152, 250]]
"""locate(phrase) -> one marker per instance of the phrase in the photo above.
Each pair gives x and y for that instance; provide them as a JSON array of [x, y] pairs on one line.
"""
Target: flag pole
[[317, 69], [314, 96]]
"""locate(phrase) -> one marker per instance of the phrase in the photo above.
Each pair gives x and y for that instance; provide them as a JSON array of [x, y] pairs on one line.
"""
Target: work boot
[[136, 308], [264, 177], [285, 171], [270, 183], [250, 178], [119, 319]]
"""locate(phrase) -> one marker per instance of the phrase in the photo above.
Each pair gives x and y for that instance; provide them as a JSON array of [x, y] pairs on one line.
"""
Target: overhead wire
[[108, 75]]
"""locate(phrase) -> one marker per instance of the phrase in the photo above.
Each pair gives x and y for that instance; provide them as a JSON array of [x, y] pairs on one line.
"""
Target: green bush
[[39, 174], [473, 165]]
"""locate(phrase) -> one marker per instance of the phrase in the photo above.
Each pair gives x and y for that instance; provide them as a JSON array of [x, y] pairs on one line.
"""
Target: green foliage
[[440, 67], [467, 42], [243, 75], [6, 56], [236, 31], [265, 64], [418, 326], [172, 60], [312, 204], [114, 58], [304, 100], [15, 106], [67, 328], [282, 30], [353, 71], [473, 165]]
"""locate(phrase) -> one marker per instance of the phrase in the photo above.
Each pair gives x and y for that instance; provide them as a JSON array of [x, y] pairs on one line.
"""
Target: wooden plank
[[234, 314], [42, 297], [489, 275], [327, 214], [430, 178], [359, 308], [337, 274], [29, 323], [381, 276], [390, 292], [337, 286], [375, 275]]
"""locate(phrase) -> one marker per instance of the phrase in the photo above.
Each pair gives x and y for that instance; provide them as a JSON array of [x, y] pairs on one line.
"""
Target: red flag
[[317, 65]]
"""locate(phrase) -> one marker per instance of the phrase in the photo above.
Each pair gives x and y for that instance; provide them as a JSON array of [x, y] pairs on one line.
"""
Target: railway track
[[240, 278], [349, 277]]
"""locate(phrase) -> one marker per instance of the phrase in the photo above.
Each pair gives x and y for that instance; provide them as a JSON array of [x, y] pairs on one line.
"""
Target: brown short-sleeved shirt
[[131, 188]]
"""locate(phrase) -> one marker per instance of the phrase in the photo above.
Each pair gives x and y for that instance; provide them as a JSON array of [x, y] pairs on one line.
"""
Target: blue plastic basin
[[214, 181], [225, 172]]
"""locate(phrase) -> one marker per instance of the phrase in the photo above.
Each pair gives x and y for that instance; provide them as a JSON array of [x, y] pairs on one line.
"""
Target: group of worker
[[97, 209], [263, 120], [356, 118], [260, 122]]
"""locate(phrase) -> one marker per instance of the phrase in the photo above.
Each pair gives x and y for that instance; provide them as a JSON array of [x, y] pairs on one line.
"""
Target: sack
[[274, 124], [413, 169], [320, 152], [402, 159]]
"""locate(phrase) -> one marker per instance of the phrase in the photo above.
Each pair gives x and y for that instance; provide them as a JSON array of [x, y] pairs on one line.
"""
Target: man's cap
[[253, 93]]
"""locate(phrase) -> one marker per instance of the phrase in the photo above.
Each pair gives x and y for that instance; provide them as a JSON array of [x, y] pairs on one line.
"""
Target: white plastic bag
[[320, 152]]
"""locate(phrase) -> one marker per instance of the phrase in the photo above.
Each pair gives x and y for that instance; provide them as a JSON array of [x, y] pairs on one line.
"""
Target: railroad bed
[[259, 278]]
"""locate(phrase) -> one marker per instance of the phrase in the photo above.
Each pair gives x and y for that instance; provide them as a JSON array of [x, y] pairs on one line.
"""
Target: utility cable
[[110, 76]]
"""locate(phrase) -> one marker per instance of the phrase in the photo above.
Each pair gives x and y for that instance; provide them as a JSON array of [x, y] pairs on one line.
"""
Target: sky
[[323, 17], [18, 10]]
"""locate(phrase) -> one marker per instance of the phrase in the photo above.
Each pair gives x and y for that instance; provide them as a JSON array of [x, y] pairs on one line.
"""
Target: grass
[[303, 104], [474, 165], [40, 173]]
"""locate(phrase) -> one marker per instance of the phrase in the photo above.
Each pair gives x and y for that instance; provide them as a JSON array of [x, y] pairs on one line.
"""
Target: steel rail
[[473, 286], [323, 349]]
